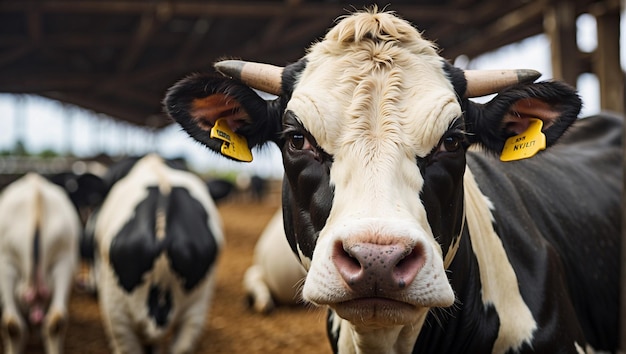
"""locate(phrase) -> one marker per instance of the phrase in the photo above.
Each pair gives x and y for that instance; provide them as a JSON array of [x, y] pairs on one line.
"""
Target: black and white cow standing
[[157, 238], [415, 241], [39, 231]]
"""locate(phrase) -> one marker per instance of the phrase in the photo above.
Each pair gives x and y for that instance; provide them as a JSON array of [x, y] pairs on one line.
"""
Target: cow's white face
[[374, 108]]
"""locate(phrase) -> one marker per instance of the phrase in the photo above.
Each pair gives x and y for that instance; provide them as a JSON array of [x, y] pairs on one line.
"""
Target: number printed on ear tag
[[234, 145], [525, 145]]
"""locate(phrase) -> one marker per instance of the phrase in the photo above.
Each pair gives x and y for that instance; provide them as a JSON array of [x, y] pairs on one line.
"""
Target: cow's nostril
[[407, 266], [374, 266], [348, 266]]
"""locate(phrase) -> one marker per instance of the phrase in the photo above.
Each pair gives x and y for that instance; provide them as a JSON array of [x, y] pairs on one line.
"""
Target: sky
[[44, 124]]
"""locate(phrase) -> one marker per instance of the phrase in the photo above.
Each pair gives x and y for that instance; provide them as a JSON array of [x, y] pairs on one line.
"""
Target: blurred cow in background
[[84, 189], [155, 240], [39, 232], [276, 276], [220, 188]]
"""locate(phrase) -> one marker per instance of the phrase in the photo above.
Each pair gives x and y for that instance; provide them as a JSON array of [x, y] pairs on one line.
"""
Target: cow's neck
[[499, 285], [354, 339], [494, 281]]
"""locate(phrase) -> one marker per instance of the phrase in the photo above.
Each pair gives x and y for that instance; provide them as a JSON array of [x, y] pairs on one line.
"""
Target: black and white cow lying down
[[275, 276], [416, 241], [156, 237], [39, 232]]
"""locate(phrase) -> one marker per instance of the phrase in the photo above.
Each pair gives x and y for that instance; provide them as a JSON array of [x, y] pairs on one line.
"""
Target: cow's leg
[[55, 324], [117, 323], [122, 336], [123, 339], [87, 279], [14, 332], [256, 289], [13, 327], [192, 323]]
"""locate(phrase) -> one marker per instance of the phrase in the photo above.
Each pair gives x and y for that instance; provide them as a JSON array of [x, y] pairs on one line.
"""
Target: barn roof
[[118, 57]]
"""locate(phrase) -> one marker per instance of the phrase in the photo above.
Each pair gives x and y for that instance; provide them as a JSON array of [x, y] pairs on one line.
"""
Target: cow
[[156, 240], [275, 276], [414, 233], [39, 231], [85, 190]]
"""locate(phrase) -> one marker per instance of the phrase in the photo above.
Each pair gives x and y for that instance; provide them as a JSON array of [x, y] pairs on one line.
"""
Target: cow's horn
[[485, 82], [264, 77]]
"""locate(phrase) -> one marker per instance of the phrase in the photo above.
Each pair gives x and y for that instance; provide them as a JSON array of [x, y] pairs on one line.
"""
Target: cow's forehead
[[366, 78]]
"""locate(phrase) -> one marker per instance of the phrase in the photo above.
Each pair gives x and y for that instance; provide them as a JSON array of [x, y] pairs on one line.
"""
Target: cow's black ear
[[199, 100], [555, 103]]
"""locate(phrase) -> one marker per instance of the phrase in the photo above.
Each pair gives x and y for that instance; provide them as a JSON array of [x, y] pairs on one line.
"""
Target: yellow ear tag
[[525, 145], [234, 145]]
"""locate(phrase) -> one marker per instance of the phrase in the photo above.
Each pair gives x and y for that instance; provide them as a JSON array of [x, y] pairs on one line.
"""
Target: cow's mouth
[[378, 312]]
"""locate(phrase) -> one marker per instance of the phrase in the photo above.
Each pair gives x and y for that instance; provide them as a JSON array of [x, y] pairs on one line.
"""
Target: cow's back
[[568, 197], [30, 206], [158, 234], [39, 231]]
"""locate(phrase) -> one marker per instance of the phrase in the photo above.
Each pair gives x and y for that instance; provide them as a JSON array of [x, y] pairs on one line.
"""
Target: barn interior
[[118, 57]]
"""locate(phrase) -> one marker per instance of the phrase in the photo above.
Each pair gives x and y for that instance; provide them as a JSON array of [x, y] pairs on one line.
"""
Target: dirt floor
[[231, 327]]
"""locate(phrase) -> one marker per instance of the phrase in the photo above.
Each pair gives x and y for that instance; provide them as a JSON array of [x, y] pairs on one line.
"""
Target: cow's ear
[[199, 100], [509, 113]]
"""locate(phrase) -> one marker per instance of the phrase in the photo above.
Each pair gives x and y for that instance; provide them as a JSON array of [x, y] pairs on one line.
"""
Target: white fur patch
[[498, 279], [396, 340]]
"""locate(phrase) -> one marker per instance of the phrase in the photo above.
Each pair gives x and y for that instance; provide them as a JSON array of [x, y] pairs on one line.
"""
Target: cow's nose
[[372, 269]]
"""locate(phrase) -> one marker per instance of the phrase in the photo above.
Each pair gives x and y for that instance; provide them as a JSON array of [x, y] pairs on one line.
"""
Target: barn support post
[[560, 26], [20, 119], [606, 58], [568, 64], [606, 65]]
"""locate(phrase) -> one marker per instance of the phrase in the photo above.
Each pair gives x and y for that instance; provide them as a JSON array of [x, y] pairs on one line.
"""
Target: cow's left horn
[[264, 77], [485, 82]]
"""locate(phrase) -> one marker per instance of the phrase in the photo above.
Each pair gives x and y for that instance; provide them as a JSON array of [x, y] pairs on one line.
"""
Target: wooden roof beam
[[506, 25], [34, 25], [119, 111], [147, 26], [200, 28], [13, 55], [305, 32], [35, 82], [248, 9]]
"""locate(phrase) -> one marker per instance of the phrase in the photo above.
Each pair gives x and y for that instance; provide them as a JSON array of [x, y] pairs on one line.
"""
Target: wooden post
[[606, 65], [606, 60], [560, 26]]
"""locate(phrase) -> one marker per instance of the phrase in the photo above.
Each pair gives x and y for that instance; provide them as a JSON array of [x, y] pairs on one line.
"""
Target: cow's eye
[[450, 143], [298, 141]]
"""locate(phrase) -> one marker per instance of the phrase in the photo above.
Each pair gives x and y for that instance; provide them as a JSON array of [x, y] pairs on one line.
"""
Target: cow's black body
[[188, 242], [542, 209]]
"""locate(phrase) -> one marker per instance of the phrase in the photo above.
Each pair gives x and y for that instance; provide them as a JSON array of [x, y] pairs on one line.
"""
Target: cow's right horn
[[485, 82], [264, 77]]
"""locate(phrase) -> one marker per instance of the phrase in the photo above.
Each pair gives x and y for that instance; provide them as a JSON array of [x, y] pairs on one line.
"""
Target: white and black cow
[[157, 237], [39, 231], [416, 242], [276, 276]]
